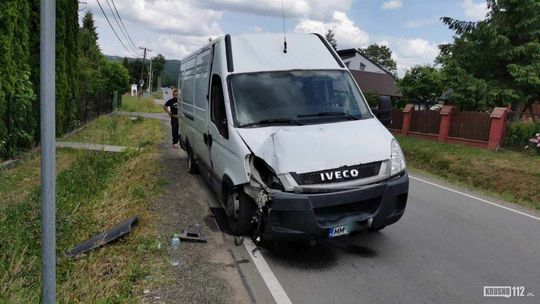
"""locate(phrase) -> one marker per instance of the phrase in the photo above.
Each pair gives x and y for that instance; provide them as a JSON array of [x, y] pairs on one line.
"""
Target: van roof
[[264, 52]]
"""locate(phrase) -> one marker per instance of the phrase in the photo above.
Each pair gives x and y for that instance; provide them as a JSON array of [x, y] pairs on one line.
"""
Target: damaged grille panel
[[338, 175]]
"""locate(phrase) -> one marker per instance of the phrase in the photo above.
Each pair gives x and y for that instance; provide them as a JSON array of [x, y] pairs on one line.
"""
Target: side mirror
[[384, 110]]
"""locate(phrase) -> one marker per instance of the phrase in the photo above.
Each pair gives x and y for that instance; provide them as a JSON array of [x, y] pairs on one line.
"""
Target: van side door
[[218, 129]]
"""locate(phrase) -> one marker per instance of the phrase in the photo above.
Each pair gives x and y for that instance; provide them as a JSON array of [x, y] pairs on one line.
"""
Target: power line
[[120, 27], [123, 25], [116, 34]]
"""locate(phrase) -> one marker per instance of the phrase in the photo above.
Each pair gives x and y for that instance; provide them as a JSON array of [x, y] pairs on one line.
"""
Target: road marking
[[476, 198], [268, 276]]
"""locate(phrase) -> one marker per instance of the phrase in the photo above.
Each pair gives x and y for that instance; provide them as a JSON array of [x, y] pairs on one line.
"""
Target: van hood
[[311, 148]]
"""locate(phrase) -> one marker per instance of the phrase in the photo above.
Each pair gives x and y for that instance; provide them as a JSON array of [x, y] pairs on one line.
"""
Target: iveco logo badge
[[339, 174]]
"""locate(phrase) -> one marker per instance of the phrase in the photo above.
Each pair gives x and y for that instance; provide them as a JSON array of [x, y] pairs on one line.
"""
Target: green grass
[[509, 175], [158, 94], [95, 191], [144, 104], [119, 130]]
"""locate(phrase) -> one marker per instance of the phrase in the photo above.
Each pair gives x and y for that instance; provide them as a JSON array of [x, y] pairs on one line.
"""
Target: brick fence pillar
[[407, 118], [446, 118], [498, 127]]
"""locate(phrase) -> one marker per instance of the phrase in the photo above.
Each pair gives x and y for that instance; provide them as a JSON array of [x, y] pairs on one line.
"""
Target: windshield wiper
[[336, 113], [289, 121]]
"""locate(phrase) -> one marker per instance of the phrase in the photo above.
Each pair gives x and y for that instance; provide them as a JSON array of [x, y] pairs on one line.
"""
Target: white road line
[[476, 198], [268, 276]]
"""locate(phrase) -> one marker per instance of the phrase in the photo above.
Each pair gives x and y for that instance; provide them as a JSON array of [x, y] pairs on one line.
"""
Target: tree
[[500, 54], [422, 83], [381, 55], [158, 64], [331, 37], [115, 76]]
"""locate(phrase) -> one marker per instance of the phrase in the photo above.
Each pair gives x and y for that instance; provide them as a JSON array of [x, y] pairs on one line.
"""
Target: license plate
[[340, 230]]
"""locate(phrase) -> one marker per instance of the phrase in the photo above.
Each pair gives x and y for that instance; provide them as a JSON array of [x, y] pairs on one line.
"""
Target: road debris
[[104, 238], [192, 234]]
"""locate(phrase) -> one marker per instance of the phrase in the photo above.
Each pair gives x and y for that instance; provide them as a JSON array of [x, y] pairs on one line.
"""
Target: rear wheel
[[191, 164], [240, 210]]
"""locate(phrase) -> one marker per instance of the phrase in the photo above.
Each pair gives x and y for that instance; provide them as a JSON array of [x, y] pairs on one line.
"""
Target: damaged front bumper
[[302, 216]]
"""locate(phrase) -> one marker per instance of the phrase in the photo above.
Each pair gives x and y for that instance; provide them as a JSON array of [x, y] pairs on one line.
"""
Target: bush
[[519, 133]]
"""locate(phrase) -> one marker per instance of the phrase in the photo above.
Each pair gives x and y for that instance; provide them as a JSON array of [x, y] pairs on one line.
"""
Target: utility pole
[[48, 150], [141, 82], [150, 77]]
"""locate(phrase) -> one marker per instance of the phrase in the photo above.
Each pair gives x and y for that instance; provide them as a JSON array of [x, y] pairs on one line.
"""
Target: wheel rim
[[233, 204]]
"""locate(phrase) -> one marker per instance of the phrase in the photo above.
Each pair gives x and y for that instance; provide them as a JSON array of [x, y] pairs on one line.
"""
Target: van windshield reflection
[[296, 98]]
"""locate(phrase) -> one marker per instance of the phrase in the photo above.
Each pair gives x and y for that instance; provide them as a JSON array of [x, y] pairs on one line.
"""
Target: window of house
[[362, 67]]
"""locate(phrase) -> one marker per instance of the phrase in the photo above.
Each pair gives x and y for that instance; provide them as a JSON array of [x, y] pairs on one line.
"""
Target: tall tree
[[422, 84], [381, 55], [331, 37], [158, 65], [502, 52]]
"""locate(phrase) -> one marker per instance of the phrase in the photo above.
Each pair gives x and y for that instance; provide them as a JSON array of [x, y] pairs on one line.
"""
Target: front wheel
[[240, 210]]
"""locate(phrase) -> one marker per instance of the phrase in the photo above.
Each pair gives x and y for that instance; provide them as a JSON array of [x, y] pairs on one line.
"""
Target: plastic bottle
[[175, 250]]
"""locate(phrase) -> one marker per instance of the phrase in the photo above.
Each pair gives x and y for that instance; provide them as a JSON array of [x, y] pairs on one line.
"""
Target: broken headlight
[[267, 174], [397, 160]]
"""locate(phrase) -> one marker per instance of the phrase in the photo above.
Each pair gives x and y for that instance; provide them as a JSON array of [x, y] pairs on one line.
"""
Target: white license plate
[[340, 230]]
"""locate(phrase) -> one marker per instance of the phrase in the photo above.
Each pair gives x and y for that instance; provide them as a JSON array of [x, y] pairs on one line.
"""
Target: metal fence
[[397, 119], [90, 107], [470, 125], [425, 121]]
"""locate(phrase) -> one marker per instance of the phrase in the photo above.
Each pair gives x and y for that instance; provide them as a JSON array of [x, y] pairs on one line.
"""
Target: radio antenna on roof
[[284, 36]]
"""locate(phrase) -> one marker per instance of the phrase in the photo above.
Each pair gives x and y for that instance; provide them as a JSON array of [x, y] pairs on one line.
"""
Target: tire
[[191, 164], [240, 210]]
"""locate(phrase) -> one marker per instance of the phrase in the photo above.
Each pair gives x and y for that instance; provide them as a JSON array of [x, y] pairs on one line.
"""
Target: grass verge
[[509, 175], [119, 130], [144, 104], [95, 191]]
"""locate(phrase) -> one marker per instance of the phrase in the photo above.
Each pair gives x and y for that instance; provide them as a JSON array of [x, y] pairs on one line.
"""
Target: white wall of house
[[134, 89], [360, 63]]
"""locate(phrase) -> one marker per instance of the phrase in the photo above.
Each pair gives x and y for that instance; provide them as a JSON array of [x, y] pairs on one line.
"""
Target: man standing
[[171, 107]]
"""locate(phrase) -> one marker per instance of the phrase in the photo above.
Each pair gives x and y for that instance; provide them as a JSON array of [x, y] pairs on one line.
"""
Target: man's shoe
[[175, 146]]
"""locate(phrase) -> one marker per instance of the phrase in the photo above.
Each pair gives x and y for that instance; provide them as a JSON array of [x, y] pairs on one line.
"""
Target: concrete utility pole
[[48, 150], [141, 82], [150, 77]]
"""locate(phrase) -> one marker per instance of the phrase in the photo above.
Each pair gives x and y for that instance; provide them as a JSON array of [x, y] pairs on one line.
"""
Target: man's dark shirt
[[173, 105]]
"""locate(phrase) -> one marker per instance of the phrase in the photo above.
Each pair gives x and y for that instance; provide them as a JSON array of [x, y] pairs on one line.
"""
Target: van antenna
[[284, 36]]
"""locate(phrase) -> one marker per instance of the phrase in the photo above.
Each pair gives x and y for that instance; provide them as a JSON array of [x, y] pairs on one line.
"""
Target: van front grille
[[337, 175]]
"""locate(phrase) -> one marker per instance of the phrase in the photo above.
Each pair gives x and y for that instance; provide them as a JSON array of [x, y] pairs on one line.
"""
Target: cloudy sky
[[411, 28]]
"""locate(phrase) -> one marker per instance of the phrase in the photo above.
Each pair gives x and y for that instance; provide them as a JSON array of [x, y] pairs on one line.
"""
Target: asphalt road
[[447, 246], [445, 249]]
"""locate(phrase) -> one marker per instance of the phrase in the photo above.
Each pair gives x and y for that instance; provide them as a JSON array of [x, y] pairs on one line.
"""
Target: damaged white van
[[287, 140]]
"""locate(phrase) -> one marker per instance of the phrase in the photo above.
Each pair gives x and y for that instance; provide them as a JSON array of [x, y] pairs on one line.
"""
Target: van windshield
[[296, 97]]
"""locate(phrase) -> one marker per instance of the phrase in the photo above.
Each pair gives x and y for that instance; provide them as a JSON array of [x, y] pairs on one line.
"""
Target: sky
[[412, 29]]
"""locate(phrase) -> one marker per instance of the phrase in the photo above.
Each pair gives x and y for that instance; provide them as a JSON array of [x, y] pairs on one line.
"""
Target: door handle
[[207, 139]]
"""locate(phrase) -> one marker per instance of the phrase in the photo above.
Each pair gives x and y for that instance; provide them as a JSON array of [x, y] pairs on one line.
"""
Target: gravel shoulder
[[208, 272]]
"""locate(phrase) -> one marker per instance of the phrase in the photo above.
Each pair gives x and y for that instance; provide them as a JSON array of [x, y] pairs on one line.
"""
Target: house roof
[[376, 83], [349, 53]]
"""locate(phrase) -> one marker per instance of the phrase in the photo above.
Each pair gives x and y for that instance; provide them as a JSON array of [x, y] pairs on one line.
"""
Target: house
[[134, 89], [371, 78]]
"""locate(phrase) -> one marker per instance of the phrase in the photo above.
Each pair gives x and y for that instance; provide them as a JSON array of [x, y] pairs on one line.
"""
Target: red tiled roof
[[376, 83]]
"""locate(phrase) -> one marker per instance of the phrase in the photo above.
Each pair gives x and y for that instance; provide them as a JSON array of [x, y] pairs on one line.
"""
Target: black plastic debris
[[105, 237], [192, 234]]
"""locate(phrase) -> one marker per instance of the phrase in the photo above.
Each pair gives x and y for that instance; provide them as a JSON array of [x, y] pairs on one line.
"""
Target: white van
[[287, 140]]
